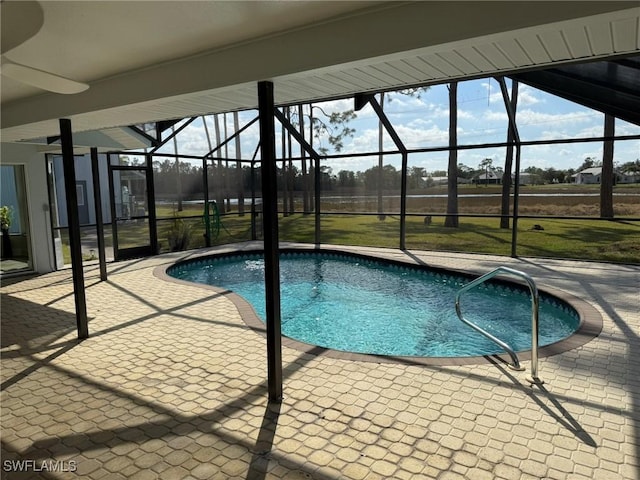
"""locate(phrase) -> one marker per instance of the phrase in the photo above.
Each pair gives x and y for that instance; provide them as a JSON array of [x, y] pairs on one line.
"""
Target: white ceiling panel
[[474, 57], [555, 45], [379, 75], [313, 86], [323, 50], [577, 41], [514, 51], [412, 74], [493, 54], [306, 87], [440, 65], [360, 79], [459, 62], [400, 76], [535, 49], [341, 84], [625, 34], [600, 38]]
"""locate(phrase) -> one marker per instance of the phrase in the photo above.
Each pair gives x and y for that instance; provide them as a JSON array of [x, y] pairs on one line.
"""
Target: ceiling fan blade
[[19, 21], [43, 80]]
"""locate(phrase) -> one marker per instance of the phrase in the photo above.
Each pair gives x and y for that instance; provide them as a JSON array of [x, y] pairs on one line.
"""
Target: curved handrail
[[535, 304]]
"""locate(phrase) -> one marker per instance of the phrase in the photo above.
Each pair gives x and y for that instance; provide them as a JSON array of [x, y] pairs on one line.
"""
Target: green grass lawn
[[579, 239], [608, 241]]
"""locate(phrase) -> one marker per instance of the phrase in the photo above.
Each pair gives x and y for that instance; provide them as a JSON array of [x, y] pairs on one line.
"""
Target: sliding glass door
[[15, 247]]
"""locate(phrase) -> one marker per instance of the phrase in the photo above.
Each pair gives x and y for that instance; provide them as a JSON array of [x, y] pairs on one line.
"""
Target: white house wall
[[83, 173], [37, 201]]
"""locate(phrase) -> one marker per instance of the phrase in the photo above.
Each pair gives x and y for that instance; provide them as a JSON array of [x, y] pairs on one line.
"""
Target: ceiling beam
[[608, 87]]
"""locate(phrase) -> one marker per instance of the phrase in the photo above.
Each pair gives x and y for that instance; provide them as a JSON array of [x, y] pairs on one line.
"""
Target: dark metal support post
[[266, 109], [317, 186], [207, 220], [403, 178], [403, 200], [151, 206], [112, 203], [516, 203], [97, 200], [516, 187], [254, 232], [607, 177], [73, 218]]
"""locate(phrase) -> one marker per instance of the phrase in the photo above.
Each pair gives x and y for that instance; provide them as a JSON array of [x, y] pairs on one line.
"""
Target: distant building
[[488, 177], [437, 180], [434, 181], [587, 176], [592, 176], [630, 177]]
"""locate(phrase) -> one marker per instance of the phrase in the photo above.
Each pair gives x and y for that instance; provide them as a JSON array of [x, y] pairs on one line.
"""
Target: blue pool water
[[364, 305]]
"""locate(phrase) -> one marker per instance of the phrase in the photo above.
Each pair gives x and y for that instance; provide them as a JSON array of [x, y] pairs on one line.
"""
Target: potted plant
[[5, 223]]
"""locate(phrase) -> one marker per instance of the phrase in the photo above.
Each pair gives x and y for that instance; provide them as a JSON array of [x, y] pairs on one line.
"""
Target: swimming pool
[[359, 304]]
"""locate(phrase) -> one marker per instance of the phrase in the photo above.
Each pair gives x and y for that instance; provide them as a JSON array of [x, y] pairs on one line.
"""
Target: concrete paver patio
[[171, 384]]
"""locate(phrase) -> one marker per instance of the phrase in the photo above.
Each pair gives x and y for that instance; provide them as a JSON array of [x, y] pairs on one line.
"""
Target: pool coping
[[590, 327]]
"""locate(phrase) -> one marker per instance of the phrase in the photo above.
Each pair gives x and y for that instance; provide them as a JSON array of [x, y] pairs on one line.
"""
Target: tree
[[631, 167], [291, 172], [305, 180], [227, 189], [568, 175], [451, 220], [164, 167], [551, 175], [589, 162], [381, 216], [177, 167], [464, 171], [346, 178], [209, 170], [220, 192], [386, 177], [326, 178], [537, 175], [336, 130], [312, 173], [240, 179], [415, 177], [283, 175], [486, 165]]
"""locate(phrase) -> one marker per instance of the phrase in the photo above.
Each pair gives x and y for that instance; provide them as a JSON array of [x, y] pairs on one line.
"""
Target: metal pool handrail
[[535, 303]]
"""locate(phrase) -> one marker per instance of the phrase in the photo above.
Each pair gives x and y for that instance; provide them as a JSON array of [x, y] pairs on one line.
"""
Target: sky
[[422, 122]]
